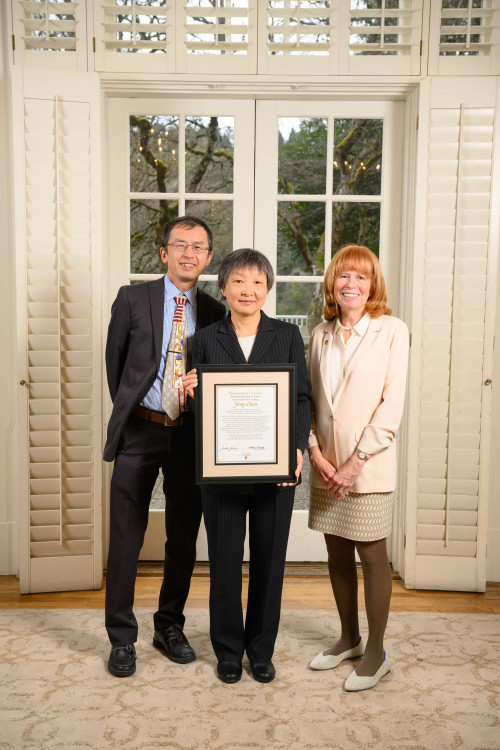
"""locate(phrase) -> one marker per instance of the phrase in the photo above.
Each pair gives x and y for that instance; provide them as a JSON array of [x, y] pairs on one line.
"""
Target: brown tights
[[377, 580]]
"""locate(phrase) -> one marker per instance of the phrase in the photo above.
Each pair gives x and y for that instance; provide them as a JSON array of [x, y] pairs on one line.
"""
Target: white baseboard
[[8, 550], [304, 544], [493, 556]]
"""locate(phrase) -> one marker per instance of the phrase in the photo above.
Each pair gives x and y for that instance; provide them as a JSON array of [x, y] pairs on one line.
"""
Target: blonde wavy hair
[[364, 261]]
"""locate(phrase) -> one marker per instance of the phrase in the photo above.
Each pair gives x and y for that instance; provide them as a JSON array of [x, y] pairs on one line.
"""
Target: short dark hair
[[186, 222], [245, 258]]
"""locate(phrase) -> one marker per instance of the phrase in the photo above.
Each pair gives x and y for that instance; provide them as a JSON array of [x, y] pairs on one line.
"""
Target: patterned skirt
[[361, 517]]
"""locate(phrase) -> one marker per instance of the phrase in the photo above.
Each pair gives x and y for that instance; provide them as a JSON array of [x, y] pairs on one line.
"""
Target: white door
[[327, 174], [157, 169], [167, 159]]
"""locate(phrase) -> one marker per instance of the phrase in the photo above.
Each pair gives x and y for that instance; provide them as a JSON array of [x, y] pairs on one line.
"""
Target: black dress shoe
[[229, 671], [122, 660], [263, 671], [174, 644]]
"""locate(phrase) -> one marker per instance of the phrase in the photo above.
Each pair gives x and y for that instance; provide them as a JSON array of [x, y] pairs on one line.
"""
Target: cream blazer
[[368, 406]]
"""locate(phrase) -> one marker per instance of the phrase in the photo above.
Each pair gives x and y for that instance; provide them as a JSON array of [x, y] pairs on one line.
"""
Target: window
[[335, 201], [179, 164]]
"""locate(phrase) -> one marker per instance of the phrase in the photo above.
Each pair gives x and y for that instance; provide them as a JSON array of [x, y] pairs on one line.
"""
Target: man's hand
[[189, 382]]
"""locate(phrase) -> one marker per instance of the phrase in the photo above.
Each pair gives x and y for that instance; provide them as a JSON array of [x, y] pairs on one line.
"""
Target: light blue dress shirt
[[152, 399]]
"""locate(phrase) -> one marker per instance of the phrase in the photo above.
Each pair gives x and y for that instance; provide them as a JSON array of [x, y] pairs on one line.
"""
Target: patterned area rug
[[443, 691]]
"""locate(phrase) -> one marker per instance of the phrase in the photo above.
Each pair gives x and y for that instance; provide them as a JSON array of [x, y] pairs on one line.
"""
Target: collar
[[359, 329], [171, 291]]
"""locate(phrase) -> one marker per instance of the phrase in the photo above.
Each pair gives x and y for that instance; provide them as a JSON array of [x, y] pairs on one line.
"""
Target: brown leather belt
[[156, 416]]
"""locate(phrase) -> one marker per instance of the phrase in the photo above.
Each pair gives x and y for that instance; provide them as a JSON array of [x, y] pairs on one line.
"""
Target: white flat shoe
[[330, 661], [354, 683]]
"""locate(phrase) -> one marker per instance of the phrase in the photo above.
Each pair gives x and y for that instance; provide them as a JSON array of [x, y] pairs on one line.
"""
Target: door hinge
[[421, 46], [13, 43], [418, 120], [93, 44]]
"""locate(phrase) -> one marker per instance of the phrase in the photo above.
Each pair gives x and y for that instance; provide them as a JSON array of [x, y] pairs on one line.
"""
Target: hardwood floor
[[305, 587]]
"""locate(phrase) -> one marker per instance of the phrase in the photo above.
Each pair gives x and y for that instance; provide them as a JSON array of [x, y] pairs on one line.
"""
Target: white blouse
[[246, 343], [342, 351]]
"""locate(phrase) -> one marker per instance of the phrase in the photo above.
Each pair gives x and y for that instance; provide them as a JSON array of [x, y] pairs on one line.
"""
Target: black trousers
[[270, 513], [146, 447]]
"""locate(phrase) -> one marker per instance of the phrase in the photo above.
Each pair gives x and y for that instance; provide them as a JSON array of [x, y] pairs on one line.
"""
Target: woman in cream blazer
[[357, 364]]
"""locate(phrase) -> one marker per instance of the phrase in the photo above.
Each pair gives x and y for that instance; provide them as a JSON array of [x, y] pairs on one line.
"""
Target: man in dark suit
[[143, 437]]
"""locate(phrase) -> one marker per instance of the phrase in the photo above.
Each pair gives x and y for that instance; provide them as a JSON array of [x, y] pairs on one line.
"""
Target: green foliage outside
[[302, 171]]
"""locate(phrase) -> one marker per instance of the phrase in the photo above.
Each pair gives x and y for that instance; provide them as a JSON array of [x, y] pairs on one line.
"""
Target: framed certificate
[[245, 423]]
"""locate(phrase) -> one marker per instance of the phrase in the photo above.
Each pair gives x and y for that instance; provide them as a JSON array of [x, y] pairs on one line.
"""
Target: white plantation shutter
[[218, 36], [448, 550], [188, 36], [62, 549], [464, 37], [299, 36], [134, 35], [50, 33], [381, 40]]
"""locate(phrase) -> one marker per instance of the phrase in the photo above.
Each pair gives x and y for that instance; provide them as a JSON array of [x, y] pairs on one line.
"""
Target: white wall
[[8, 391], [493, 551]]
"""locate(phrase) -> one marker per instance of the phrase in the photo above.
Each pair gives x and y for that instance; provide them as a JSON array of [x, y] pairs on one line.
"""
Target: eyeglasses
[[180, 246]]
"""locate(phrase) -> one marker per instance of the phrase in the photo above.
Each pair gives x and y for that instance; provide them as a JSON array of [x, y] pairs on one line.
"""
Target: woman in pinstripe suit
[[248, 335]]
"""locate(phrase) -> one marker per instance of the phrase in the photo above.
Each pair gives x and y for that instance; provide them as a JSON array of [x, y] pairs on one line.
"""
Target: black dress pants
[[270, 513], [145, 448]]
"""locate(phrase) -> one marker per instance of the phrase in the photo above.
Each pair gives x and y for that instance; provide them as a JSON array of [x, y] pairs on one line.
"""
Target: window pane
[[154, 149], [357, 224], [302, 155], [219, 217], [209, 154], [147, 220], [357, 157], [300, 303], [301, 238]]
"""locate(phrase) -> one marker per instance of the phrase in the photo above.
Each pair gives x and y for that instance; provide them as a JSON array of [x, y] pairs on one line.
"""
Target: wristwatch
[[362, 455]]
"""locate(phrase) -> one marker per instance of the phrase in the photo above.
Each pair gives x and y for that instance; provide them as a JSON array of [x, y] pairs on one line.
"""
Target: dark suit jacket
[[276, 342], [133, 348]]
